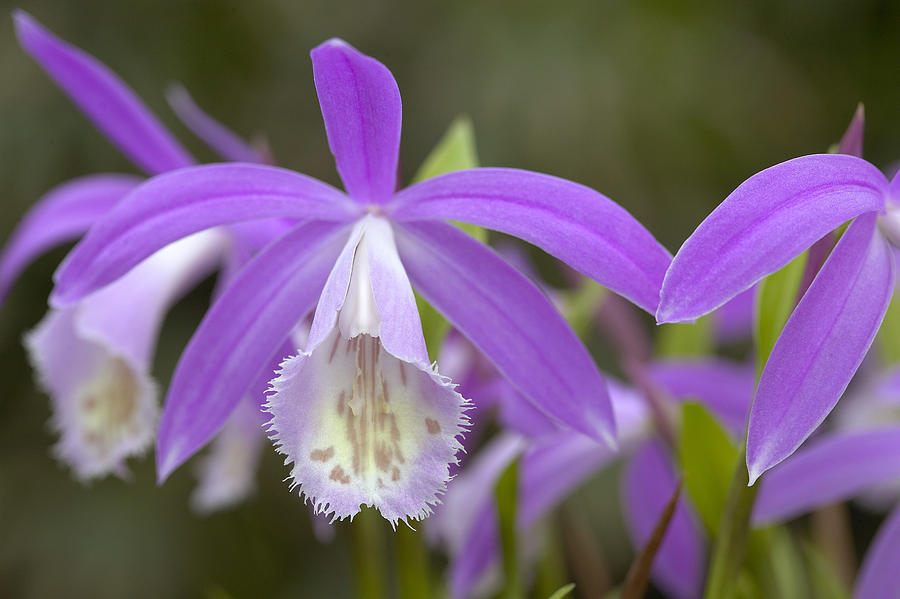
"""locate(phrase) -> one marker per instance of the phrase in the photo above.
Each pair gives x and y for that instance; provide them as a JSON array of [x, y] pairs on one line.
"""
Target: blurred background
[[665, 107]]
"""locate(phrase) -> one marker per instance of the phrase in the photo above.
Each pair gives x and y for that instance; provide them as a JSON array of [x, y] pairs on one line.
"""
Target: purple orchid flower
[[362, 404], [555, 462], [767, 221], [93, 357]]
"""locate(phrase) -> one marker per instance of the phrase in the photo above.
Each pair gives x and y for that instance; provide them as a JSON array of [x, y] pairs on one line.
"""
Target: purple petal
[[821, 346], [510, 321], [239, 335], [576, 224], [218, 137], [724, 387], [831, 470], [648, 485], [734, 320], [104, 98], [174, 205], [768, 220], [63, 214], [852, 141], [361, 107], [879, 577]]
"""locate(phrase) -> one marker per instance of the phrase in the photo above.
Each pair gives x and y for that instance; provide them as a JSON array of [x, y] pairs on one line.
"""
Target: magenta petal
[[831, 470], [361, 106], [105, 99], [879, 577], [63, 214], [576, 224], [821, 346], [648, 485], [174, 205], [724, 387], [239, 336], [768, 220], [218, 137], [510, 321]]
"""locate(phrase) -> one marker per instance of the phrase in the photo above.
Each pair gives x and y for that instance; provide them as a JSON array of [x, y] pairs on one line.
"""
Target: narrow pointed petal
[[768, 220], [361, 106], [879, 577], [574, 223], [724, 387], [104, 98], [852, 141], [63, 214], [239, 335], [649, 483], [225, 142], [174, 205], [227, 474], [831, 470], [821, 346], [510, 321]]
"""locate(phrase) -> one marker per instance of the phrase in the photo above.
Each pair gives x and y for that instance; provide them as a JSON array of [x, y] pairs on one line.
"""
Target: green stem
[[731, 544], [368, 554], [412, 564]]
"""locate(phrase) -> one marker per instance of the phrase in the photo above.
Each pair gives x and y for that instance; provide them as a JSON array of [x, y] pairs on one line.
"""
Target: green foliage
[[889, 334], [823, 579], [685, 339], [505, 496], [776, 297], [563, 591], [455, 151], [708, 458]]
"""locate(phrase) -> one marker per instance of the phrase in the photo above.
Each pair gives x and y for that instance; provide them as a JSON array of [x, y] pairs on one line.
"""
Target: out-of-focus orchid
[[93, 357], [767, 221], [360, 413]]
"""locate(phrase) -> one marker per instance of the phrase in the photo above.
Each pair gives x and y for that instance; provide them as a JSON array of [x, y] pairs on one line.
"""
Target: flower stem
[[412, 564], [368, 554], [731, 544]]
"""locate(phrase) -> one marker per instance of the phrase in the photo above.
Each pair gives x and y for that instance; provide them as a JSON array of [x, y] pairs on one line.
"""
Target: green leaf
[[455, 151], [685, 339], [581, 306], [824, 581], [708, 458], [889, 334], [505, 495], [563, 591], [777, 564], [776, 297]]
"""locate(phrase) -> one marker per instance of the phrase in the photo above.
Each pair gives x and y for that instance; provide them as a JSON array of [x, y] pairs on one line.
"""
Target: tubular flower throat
[[360, 424]]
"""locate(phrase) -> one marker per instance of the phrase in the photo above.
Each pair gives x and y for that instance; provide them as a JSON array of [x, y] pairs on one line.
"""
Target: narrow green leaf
[[889, 334], [412, 564], [581, 305], [563, 591], [776, 297], [505, 496], [638, 578], [686, 339], [824, 581], [708, 458], [455, 151], [724, 578], [777, 564]]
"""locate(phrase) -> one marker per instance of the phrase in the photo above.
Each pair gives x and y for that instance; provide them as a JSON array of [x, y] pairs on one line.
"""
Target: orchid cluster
[[314, 337]]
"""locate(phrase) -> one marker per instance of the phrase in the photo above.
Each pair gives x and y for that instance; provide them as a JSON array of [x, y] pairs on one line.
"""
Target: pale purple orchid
[[767, 221], [93, 357], [361, 413]]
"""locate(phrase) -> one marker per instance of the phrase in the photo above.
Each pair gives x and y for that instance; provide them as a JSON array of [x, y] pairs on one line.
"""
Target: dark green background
[[663, 106]]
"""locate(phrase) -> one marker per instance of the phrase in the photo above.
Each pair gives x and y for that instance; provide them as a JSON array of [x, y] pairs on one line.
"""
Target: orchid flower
[[93, 357], [768, 220], [360, 413]]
